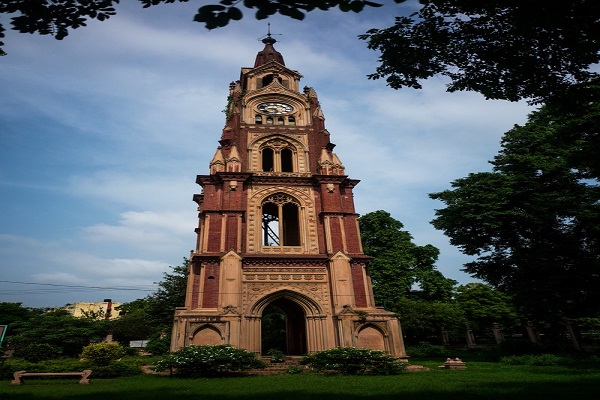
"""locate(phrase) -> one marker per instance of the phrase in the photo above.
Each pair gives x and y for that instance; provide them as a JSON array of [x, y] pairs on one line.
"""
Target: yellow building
[[99, 309]]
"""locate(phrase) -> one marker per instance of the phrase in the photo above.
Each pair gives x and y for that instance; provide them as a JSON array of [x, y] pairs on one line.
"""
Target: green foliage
[[58, 329], [152, 316], [159, 345], [398, 263], [125, 367], [534, 360], [169, 295], [353, 361], [424, 320], [519, 347], [102, 353], [294, 369], [35, 352], [502, 49], [219, 15], [276, 355], [483, 306], [534, 221], [426, 349], [209, 361], [133, 323], [116, 369], [14, 312]]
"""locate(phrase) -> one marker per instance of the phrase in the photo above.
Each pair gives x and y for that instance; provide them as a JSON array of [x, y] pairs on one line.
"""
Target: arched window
[[287, 163], [258, 119], [291, 121], [280, 221], [267, 79], [268, 161], [280, 121], [270, 120]]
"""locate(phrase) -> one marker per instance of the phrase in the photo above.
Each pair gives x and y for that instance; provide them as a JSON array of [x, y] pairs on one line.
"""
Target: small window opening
[[291, 121], [280, 121], [258, 119], [270, 224], [267, 160], [291, 231], [269, 120], [287, 163], [280, 221], [267, 79]]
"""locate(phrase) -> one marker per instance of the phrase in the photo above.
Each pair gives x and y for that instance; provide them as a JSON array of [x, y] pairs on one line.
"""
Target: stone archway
[[304, 329], [371, 337], [283, 327]]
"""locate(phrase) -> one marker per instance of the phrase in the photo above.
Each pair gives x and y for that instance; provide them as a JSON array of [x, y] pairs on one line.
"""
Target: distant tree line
[[44, 333]]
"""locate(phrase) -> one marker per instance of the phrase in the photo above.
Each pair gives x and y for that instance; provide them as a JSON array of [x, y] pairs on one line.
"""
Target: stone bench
[[19, 375]]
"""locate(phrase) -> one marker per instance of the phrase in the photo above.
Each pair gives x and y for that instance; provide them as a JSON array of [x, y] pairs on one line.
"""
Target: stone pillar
[[534, 336], [497, 332], [574, 334], [444, 335], [470, 337]]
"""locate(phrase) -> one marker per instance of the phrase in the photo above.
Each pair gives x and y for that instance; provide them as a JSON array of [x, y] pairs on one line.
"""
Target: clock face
[[275, 108]]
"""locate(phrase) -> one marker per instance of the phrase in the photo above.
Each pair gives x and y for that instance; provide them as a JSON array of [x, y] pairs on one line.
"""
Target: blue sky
[[103, 133]]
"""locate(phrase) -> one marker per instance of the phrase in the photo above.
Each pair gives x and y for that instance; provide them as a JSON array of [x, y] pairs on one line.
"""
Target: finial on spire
[[268, 38], [268, 53]]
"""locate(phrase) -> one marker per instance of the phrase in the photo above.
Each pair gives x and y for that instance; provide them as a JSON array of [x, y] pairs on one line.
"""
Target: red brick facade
[[277, 226]]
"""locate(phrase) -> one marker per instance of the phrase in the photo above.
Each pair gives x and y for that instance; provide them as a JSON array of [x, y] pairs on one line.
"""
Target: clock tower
[[278, 260]]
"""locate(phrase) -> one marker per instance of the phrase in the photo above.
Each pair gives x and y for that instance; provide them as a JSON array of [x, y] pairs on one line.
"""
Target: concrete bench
[[19, 375]]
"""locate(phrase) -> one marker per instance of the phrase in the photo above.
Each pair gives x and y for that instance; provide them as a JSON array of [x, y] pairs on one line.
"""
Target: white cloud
[[118, 118]]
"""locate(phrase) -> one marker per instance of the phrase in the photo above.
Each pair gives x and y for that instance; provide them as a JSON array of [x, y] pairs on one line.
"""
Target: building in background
[[98, 310]]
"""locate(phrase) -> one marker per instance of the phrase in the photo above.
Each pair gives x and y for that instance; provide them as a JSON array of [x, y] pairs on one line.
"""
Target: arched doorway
[[283, 327]]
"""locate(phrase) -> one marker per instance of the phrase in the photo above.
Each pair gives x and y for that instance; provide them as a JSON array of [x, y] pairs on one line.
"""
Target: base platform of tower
[[278, 262]]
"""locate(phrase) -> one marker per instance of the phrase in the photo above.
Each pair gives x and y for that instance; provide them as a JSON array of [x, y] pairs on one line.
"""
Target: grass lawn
[[479, 380]]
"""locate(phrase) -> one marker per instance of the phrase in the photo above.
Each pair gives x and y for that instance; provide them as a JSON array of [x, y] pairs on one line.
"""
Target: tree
[[133, 323], [14, 312], [152, 316], [503, 49], [56, 17], [170, 295], [58, 329], [423, 321], [398, 264], [533, 223], [483, 306]]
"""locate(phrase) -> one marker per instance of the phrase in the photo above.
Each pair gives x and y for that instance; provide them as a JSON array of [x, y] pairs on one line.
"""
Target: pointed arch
[[310, 307], [306, 242], [207, 335], [371, 336], [289, 153]]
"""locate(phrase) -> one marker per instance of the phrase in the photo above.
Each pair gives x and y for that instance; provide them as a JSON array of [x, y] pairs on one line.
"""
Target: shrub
[[519, 347], [159, 346], [116, 369], [102, 353], [57, 365], [38, 352], [276, 355], [425, 349], [534, 360], [209, 361], [353, 361], [294, 369]]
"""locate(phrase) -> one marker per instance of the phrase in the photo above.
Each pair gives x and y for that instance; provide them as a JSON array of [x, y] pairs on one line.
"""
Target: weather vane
[[269, 34]]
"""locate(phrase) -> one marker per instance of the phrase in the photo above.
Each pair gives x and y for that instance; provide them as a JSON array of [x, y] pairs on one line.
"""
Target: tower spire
[[268, 53]]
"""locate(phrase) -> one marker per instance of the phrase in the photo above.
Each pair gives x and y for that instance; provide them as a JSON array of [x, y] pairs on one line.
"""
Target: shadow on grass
[[430, 386]]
